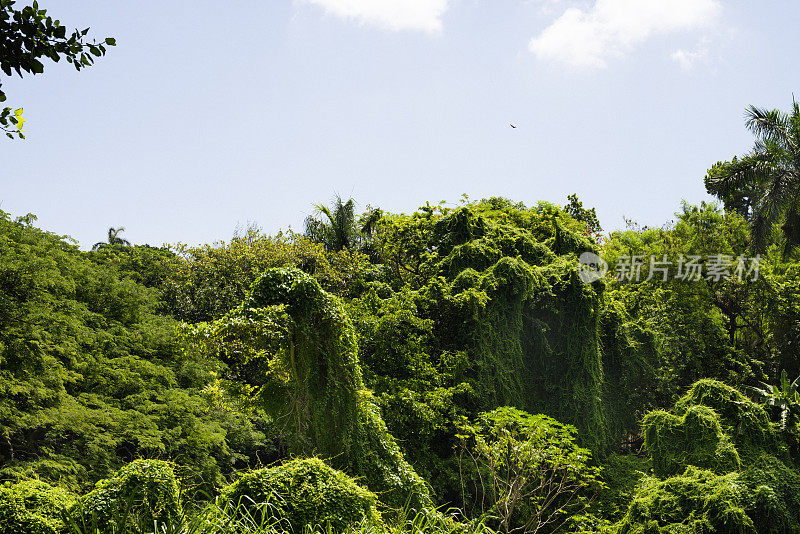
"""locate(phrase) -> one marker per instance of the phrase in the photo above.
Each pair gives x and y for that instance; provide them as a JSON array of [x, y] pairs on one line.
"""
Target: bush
[[32, 507], [621, 474], [773, 500], [139, 494], [294, 344], [719, 490], [696, 439], [746, 422], [527, 468], [303, 493], [698, 501]]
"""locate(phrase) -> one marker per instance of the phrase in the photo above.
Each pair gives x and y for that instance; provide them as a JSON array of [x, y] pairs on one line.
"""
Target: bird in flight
[[512, 125]]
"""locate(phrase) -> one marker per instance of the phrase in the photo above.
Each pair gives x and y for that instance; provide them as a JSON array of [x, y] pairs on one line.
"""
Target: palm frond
[[767, 123], [764, 186], [322, 209], [795, 383], [370, 220], [336, 227]]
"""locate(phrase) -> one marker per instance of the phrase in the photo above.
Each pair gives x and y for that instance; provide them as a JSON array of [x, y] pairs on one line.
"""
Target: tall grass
[[225, 517]]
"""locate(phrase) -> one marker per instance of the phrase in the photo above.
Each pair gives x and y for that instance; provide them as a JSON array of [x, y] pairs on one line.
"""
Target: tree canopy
[[455, 357], [764, 185], [379, 369]]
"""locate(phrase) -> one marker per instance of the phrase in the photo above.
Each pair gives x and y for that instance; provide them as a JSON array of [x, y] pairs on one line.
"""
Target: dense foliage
[[305, 492], [718, 466], [92, 377], [32, 506], [527, 468], [488, 367], [448, 370], [141, 494], [292, 342]]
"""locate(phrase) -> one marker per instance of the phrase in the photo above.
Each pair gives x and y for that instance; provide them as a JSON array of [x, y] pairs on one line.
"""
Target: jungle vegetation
[[446, 370]]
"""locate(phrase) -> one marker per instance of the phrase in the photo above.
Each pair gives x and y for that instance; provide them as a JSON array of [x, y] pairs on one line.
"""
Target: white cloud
[[425, 15], [687, 59], [586, 38]]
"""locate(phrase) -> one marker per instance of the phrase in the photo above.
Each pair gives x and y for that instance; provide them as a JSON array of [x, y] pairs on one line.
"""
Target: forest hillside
[[456, 368]]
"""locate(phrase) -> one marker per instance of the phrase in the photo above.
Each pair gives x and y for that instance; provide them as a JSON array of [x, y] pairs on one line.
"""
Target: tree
[[705, 327], [91, 377], [292, 348], [113, 239], [28, 35], [529, 469], [589, 216], [764, 185], [336, 227]]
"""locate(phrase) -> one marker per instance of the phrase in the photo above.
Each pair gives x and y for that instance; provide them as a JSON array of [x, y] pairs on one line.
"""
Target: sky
[[207, 117]]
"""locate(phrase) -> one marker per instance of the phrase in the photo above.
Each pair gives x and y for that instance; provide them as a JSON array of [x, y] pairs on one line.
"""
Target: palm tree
[[764, 185], [113, 239], [369, 221], [336, 227]]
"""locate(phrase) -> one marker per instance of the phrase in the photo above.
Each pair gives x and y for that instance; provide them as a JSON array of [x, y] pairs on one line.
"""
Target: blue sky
[[208, 115]]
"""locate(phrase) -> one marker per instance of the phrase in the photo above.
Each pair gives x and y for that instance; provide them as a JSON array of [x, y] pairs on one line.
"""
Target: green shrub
[[621, 475], [696, 438], [720, 490], [139, 494], [529, 472], [773, 500], [303, 493], [32, 507], [746, 422], [698, 501]]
